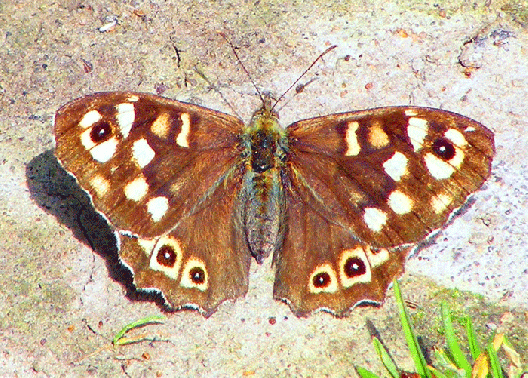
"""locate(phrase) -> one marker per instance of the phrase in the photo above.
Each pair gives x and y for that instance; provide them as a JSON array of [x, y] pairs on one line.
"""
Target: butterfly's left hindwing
[[322, 264]]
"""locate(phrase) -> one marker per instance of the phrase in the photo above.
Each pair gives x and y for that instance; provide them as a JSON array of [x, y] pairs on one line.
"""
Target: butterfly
[[338, 201]]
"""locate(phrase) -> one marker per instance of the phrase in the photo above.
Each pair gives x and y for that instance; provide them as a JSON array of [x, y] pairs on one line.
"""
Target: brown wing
[[145, 160], [390, 175], [322, 265], [200, 263]]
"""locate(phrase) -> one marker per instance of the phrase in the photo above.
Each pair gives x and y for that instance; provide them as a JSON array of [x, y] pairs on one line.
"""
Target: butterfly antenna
[[304, 73], [217, 90], [242, 65]]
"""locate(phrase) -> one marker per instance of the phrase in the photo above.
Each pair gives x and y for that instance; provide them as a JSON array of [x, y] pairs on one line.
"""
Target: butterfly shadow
[[58, 193]]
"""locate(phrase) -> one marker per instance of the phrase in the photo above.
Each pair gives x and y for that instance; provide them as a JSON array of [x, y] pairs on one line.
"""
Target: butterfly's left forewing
[[390, 175]]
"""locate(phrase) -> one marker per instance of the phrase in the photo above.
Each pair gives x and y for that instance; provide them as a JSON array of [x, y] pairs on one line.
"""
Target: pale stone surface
[[60, 306]]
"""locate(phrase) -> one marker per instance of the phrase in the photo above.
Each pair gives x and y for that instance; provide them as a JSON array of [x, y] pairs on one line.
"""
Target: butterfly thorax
[[266, 140], [266, 147]]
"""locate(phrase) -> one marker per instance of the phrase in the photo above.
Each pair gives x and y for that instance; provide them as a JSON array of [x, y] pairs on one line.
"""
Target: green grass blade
[[449, 367], [139, 323], [444, 360], [386, 358], [496, 371], [414, 348], [474, 346], [436, 373], [364, 373], [458, 357]]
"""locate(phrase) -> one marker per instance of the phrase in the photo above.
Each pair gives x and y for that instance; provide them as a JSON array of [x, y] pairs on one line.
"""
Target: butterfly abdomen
[[262, 194], [263, 204]]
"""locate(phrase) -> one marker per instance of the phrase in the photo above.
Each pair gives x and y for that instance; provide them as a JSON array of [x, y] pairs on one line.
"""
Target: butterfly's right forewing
[[146, 161]]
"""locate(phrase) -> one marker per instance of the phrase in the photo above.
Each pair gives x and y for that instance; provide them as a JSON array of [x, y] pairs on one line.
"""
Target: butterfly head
[[265, 112]]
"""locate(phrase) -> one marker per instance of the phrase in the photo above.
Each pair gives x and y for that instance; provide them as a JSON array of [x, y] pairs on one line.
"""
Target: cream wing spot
[[438, 168], [458, 159], [375, 218], [353, 147], [194, 275], [161, 125], [396, 166], [147, 245], [417, 130], [410, 113], [90, 118], [440, 202], [378, 138], [354, 267], [142, 152], [323, 279], [100, 185], [400, 202], [377, 258], [183, 137], [166, 257], [125, 118], [136, 189], [103, 152], [86, 139], [157, 207], [456, 137], [133, 98], [176, 186]]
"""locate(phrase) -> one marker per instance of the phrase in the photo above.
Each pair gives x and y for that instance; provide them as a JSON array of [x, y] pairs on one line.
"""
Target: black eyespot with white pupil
[[100, 132], [166, 256], [197, 275], [321, 280], [354, 267], [444, 149]]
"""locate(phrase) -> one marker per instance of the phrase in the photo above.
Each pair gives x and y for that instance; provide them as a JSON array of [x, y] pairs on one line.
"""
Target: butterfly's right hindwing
[[202, 262]]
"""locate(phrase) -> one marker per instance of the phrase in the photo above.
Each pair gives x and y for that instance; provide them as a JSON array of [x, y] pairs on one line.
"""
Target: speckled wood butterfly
[[337, 200]]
